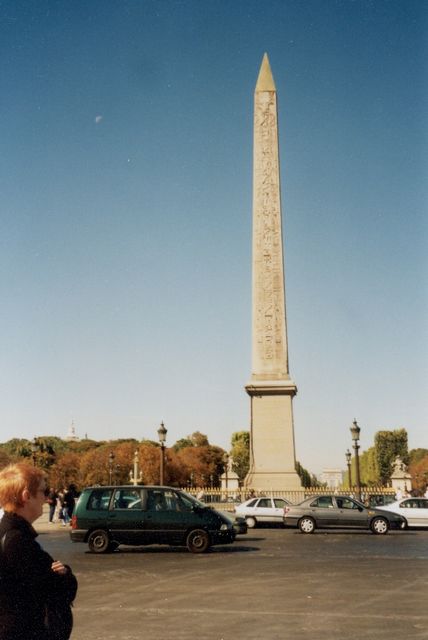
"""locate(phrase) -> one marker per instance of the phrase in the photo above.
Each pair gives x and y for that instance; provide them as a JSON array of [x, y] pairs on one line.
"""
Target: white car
[[258, 510], [414, 510]]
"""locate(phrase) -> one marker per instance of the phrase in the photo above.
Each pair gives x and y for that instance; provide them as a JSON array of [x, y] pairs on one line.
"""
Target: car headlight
[[225, 526]]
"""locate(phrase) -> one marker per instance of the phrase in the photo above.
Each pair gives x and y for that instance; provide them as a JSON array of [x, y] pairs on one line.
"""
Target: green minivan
[[106, 517]]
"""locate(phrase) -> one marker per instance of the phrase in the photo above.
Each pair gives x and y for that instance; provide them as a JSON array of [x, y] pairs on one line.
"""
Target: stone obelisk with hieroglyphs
[[271, 390]]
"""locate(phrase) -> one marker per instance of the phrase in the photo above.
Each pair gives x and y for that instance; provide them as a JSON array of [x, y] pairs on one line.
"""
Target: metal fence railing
[[226, 499]]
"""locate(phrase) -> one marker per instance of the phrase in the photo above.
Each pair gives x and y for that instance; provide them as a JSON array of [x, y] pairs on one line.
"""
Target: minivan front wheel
[[99, 541], [198, 541]]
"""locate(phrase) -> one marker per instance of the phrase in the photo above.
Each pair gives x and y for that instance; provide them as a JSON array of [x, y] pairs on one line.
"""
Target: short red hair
[[14, 479]]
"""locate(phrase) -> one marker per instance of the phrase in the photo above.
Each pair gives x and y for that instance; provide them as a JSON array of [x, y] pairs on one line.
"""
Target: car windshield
[[360, 504]]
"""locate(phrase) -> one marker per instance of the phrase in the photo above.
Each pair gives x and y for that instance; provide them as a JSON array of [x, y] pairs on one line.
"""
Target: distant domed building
[[71, 435]]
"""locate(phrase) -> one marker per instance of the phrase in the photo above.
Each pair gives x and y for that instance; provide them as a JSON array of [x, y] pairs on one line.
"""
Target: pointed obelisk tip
[[265, 80]]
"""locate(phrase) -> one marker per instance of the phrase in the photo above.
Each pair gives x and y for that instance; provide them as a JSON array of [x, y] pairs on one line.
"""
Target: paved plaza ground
[[270, 584]]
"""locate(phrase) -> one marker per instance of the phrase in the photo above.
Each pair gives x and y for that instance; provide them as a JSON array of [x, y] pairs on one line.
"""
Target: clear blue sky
[[126, 188]]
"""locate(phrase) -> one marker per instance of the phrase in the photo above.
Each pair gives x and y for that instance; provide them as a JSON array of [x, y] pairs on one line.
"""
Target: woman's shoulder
[[15, 531]]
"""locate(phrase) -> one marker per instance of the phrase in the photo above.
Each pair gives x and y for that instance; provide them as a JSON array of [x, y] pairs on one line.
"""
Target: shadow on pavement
[[350, 532], [165, 549]]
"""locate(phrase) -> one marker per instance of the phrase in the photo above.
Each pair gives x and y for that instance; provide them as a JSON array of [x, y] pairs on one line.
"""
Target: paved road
[[270, 584]]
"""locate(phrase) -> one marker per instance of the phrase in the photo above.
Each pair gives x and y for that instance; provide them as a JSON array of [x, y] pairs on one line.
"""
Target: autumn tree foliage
[[418, 469], [65, 471], [201, 465], [5, 459]]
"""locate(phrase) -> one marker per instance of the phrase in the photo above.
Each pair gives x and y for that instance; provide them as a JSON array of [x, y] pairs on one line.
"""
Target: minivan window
[[127, 499], [165, 500], [99, 500]]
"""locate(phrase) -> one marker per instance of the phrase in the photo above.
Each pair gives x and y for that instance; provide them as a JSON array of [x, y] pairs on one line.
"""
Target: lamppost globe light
[[355, 431], [34, 445], [162, 433], [111, 457], [162, 438], [355, 434], [348, 456]]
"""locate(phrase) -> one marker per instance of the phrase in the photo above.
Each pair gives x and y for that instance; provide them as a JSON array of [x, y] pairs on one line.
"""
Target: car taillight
[[74, 522]]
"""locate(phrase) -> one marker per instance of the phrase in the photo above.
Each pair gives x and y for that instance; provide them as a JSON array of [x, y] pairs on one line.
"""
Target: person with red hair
[[33, 586]]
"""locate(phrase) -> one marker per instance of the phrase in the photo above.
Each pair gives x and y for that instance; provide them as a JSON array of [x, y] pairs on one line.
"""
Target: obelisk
[[271, 390]]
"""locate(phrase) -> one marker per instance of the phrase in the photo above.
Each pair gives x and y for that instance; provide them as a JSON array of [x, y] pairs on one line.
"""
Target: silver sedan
[[340, 512], [261, 510], [413, 510]]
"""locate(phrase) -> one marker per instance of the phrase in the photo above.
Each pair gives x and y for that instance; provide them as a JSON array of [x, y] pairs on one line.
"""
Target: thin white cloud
[[98, 119]]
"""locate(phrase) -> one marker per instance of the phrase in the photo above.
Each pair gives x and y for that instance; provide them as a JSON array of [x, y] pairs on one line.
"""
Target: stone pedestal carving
[[401, 480]]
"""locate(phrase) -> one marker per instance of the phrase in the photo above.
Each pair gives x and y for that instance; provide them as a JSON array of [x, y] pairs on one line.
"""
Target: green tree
[[182, 443], [199, 439], [388, 445], [17, 448], [369, 473], [240, 452], [304, 475]]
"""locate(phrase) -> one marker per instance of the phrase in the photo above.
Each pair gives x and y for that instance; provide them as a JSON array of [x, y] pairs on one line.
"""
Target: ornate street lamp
[[35, 446], [226, 468], [135, 477], [162, 437], [110, 465], [355, 433], [348, 456]]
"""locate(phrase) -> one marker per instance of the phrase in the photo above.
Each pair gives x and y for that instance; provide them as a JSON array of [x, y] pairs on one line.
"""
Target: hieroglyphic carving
[[270, 343]]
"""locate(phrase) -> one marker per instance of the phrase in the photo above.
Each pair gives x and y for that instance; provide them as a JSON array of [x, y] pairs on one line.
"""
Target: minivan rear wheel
[[98, 541], [198, 541]]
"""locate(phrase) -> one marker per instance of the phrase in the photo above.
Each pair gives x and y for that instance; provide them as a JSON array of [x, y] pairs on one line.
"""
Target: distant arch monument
[[271, 390]]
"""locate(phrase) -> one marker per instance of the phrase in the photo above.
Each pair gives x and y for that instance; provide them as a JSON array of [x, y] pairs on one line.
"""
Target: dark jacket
[[27, 582]]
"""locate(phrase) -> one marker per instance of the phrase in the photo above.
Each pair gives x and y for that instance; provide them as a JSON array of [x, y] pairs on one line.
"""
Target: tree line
[[377, 462], [192, 461]]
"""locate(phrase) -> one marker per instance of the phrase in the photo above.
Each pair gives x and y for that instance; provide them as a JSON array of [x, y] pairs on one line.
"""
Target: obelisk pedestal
[[272, 455]]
